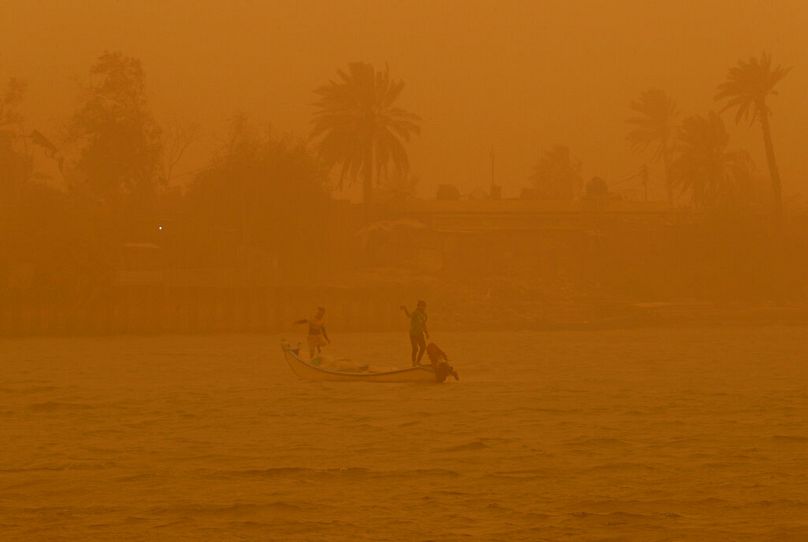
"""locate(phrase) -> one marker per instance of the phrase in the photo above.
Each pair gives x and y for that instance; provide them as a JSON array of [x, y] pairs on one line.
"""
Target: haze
[[516, 76], [387, 270]]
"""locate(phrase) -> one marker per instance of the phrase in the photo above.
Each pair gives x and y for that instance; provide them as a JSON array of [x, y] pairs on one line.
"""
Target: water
[[689, 434]]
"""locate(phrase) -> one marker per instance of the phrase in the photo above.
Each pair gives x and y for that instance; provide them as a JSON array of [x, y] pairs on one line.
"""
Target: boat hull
[[305, 371]]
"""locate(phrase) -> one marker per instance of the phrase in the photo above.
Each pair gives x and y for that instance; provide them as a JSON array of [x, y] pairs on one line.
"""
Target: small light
[[160, 227]]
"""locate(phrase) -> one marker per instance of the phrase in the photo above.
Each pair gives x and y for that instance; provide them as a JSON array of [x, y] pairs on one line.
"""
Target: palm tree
[[655, 126], [746, 88], [359, 126], [713, 175]]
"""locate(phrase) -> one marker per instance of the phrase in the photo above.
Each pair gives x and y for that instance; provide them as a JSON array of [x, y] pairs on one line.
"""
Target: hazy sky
[[516, 75]]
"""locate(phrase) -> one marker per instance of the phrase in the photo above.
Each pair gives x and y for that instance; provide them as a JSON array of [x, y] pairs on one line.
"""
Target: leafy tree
[[16, 164], [596, 189], [704, 167], [177, 137], [10, 100], [263, 193], [746, 89], [46, 232], [556, 175], [120, 142], [655, 126], [359, 126]]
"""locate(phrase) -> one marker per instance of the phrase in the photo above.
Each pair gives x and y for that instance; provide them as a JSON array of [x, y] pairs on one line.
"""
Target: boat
[[309, 371]]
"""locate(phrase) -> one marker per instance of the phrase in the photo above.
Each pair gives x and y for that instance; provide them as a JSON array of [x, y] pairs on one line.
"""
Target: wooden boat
[[307, 371]]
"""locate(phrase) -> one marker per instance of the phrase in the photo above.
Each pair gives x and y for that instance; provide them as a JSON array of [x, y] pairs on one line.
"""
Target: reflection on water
[[691, 434]]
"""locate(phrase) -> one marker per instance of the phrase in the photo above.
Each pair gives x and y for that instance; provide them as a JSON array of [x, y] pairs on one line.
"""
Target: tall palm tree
[[655, 126], [746, 89], [360, 127], [713, 175]]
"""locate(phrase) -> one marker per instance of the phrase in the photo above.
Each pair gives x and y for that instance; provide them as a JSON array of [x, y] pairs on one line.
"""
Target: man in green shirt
[[418, 331]]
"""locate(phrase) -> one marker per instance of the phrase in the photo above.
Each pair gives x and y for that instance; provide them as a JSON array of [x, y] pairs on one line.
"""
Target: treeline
[[700, 167], [73, 201], [70, 202]]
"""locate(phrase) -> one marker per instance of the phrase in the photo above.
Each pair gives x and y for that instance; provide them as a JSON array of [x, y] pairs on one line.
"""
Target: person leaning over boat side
[[418, 331], [317, 337]]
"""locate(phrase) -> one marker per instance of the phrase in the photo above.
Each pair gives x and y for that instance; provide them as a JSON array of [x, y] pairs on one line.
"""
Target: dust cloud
[[597, 209]]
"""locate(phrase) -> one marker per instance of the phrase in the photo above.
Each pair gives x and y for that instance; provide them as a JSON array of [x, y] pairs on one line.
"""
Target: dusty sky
[[516, 75]]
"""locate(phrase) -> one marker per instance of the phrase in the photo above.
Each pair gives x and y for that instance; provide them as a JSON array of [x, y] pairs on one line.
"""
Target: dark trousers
[[418, 342]]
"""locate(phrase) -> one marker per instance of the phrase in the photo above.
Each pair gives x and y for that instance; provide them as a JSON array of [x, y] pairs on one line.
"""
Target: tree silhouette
[[261, 187], [120, 142], [359, 126], [654, 126], [16, 165], [10, 99], [713, 175], [746, 89], [178, 136], [556, 175]]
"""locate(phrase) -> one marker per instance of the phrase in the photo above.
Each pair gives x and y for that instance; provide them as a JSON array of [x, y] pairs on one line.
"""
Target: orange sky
[[516, 75]]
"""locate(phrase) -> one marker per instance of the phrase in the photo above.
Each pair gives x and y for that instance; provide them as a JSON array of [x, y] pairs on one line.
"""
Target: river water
[[674, 434]]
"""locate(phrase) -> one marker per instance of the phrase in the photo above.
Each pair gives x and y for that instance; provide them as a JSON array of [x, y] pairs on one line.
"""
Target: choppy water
[[694, 434]]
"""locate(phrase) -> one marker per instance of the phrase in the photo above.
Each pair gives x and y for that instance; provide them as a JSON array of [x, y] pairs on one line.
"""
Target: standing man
[[418, 331], [317, 337]]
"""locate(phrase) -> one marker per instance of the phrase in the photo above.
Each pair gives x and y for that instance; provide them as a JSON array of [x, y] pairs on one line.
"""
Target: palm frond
[[355, 113], [654, 122], [747, 86], [703, 167]]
